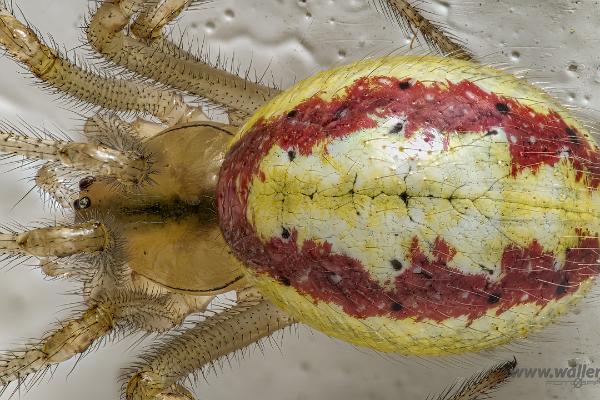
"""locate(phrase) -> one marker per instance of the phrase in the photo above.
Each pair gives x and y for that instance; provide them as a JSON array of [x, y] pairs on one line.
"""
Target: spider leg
[[55, 181], [74, 335], [70, 250], [70, 338], [407, 14], [109, 128], [57, 241], [149, 26], [64, 76], [59, 182], [115, 299], [162, 370], [480, 385], [157, 60], [121, 310], [150, 22], [129, 167]]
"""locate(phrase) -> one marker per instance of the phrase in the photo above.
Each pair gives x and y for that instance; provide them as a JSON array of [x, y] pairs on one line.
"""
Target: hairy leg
[[407, 14], [150, 22], [149, 25], [158, 61], [65, 77], [71, 337], [125, 311], [480, 385], [162, 370], [130, 168], [55, 181], [111, 128], [115, 298], [159, 375]]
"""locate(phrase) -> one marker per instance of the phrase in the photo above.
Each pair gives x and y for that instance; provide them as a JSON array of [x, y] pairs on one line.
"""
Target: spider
[[126, 183]]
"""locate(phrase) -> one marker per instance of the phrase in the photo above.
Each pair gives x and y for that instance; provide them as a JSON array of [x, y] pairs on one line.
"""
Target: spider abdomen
[[415, 205]]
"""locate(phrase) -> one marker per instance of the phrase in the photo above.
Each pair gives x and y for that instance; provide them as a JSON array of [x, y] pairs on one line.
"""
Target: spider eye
[[82, 203], [86, 182]]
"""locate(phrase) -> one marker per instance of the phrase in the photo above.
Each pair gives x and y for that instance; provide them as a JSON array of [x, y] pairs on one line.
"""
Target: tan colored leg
[[106, 35], [72, 337], [150, 22], [253, 318], [128, 166], [110, 129], [115, 298], [55, 181], [482, 384], [149, 25], [59, 73], [158, 377], [123, 310], [407, 14], [58, 241]]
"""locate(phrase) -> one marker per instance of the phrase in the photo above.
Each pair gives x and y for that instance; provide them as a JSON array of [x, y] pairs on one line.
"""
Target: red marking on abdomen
[[429, 288], [451, 108]]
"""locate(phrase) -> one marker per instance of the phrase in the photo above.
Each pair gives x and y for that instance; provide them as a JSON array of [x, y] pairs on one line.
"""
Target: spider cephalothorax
[[415, 205]]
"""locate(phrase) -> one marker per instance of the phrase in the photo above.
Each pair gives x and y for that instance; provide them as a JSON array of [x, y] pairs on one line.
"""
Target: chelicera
[[338, 203]]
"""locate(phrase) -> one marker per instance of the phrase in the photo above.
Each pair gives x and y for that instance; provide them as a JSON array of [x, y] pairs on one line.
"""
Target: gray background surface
[[555, 42]]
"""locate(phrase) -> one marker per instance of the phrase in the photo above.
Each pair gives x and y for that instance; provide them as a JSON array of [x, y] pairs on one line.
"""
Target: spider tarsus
[[481, 384], [149, 24], [435, 35]]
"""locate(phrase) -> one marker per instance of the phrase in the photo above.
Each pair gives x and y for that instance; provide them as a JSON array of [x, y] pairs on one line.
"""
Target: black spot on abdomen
[[502, 108], [494, 298], [396, 264]]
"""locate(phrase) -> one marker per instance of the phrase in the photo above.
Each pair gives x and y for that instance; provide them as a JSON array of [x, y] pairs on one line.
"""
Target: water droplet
[[572, 362], [210, 26], [229, 14], [442, 8]]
